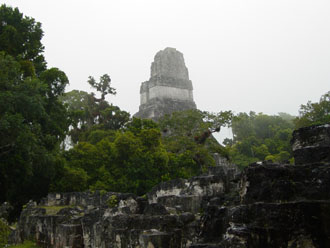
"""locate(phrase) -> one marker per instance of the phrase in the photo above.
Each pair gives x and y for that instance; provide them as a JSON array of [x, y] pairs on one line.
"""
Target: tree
[[187, 136], [21, 37], [81, 107], [33, 122], [102, 86], [112, 118], [32, 126], [55, 80], [88, 114], [135, 125], [287, 117], [121, 161], [242, 126], [314, 113], [70, 179], [259, 137], [194, 122]]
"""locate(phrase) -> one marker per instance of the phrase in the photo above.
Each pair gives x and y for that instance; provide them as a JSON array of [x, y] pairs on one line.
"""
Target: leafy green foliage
[[102, 86], [70, 179], [188, 139], [135, 156], [4, 233], [21, 38], [314, 113], [287, 117], [33, 122], [88, 114], [30, 134], [259, 137], [121, 161], [136, 125], [112, 201], [194, 122]]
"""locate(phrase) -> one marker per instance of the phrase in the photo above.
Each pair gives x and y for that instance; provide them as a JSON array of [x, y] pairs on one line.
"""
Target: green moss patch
[[4, 233], [26, 244]]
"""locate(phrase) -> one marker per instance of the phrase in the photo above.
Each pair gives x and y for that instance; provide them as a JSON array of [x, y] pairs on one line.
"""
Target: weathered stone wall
[[168, 89], [170, 63], [280, 205], [166, 92], [311, 144], [170, 92]]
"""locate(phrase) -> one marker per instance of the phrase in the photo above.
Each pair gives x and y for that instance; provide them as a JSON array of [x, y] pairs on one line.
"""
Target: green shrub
[[4, 233], [112, 201]]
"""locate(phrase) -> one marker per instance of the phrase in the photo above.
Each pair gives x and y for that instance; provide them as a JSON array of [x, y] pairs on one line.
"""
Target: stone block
[[311, 144]]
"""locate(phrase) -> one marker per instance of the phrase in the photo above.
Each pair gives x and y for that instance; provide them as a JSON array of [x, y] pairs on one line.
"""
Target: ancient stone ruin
[[168, 89], [267, 205]]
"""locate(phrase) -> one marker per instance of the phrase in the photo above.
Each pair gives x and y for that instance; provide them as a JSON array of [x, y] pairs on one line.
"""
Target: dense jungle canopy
[[52, 140]]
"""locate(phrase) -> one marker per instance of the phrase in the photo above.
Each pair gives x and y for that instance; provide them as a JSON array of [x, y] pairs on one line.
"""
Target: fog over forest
[[111, 113], [243, 55]]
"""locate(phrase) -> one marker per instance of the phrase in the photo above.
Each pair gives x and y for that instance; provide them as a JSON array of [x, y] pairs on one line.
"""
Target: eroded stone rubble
[[267, 205]]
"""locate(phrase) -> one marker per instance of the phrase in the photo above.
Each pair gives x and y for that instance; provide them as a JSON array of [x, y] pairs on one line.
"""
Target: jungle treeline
[[57, 141]]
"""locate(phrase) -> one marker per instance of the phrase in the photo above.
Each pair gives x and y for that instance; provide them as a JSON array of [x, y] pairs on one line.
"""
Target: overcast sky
[[260, 55]]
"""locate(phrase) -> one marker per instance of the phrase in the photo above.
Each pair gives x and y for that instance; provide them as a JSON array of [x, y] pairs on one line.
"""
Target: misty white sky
[[260, 55]]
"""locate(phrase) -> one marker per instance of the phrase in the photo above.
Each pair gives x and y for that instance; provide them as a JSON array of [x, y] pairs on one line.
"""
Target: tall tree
[[33, 122], [187, 136], [88, 113], [103, 86], [32, 125], [20, 37]]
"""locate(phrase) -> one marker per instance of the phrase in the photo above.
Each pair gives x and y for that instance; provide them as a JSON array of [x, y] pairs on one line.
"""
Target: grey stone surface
[[311, 144], [5, 209], [169, 63], [168, 89]]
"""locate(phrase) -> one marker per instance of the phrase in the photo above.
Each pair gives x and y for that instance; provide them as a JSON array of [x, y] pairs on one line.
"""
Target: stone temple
[[168, 89]]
